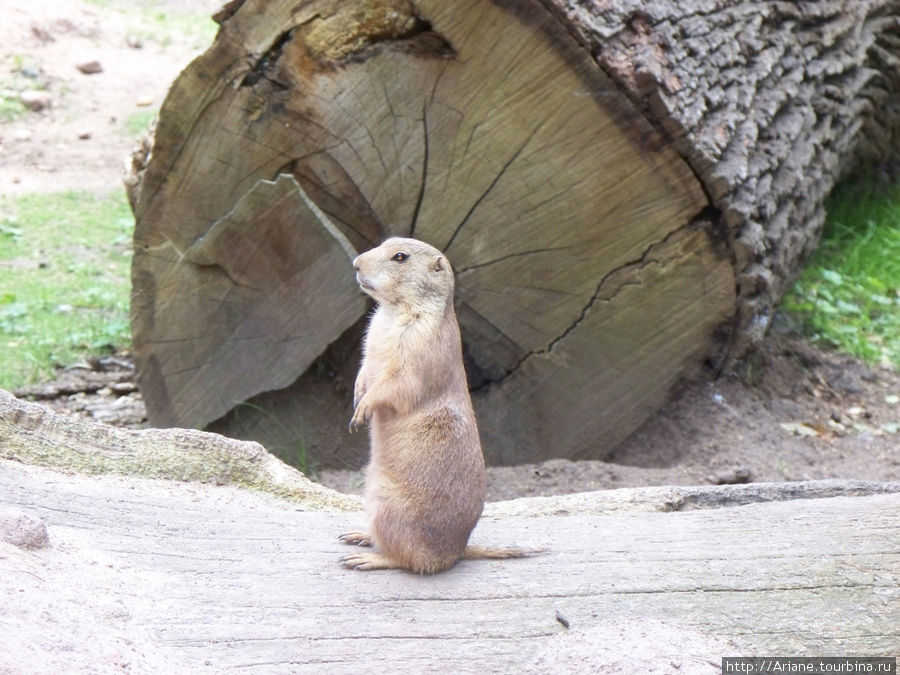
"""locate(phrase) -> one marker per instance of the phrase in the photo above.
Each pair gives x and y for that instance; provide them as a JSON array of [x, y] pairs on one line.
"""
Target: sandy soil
[[79, 140], [792, 411]]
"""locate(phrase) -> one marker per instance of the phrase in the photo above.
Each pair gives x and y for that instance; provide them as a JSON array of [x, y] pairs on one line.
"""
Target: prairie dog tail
[[489, 552]]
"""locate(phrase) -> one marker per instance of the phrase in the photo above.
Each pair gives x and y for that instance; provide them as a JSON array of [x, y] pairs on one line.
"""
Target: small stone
[[134, 41], [30, 71], [799, 429], [734, 476], [844, 382], [124, 387], [22, 134], [35, 99], [144, 101], [42, 34], [22, 530], [90, 67], [84, 134]]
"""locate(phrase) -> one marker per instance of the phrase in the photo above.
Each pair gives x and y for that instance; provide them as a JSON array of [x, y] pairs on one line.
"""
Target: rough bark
[[769, 102], [623, 188], [150, 576]]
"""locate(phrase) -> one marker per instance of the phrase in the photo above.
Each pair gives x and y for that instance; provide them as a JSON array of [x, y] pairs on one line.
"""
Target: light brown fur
[[425, 482]]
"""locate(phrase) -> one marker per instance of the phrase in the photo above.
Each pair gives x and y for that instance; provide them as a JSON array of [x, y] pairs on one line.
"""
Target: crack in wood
[[487, 263], [267, 59], [494, 182], [639, 264], [421, 196]]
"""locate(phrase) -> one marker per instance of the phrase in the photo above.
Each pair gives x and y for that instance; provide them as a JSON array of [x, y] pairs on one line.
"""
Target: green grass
[[11, 87], [137, 124], [64, 281], [11, 108], [849, 294]]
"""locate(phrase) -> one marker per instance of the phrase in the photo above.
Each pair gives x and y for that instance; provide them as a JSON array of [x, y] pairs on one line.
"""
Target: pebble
[[30, 71], [124, 387], [144, 101], [734, 476], [42, 34], [22, 530], [35, 99], [89, 67]]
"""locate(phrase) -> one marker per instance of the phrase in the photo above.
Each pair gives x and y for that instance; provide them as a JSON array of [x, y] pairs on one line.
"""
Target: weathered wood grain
[[559, 151], [148, 574], [271, 286], [35, 434], [618, 359], [109, 572], [481, 127]]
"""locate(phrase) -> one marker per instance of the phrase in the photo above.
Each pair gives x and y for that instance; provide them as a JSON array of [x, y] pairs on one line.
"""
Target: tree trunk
[[623, 189]]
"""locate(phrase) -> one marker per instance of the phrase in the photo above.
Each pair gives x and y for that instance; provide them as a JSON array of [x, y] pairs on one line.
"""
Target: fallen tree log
[[151, 575], [118, 571], [624, 190]]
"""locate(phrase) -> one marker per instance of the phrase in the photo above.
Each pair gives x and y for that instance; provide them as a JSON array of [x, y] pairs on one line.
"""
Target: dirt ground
[[78, 140], [791, 412]]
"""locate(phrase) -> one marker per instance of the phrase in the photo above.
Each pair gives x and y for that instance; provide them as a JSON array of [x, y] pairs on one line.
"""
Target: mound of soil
[[792, 412]]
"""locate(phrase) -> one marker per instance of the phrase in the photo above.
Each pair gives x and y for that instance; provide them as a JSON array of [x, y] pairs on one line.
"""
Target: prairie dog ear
[[439, 264]]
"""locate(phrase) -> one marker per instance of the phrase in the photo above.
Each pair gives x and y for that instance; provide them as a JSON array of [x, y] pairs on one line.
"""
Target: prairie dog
[[425, 482]]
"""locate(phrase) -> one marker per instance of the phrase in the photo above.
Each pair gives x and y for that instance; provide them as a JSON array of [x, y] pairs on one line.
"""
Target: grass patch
[[849, 293], [138, 123], [12, 86], [11, 108], [64, 281]]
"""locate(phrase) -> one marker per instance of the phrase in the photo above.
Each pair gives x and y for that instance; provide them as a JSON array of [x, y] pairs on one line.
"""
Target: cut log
[[157, 576], [196, 574], [265, 292], [623, 190]]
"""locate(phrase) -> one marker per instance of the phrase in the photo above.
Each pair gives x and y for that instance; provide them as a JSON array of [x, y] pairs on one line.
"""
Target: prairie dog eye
[[399, 257]]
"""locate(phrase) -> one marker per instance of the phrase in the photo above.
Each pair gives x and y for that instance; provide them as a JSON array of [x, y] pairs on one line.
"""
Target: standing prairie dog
[[425, 481]]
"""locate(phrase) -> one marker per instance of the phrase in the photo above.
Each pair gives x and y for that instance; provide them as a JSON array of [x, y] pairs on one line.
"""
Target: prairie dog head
[[406, 273]]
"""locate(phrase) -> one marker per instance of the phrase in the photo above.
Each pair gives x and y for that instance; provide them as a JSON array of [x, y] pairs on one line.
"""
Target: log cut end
[[589, 278]]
